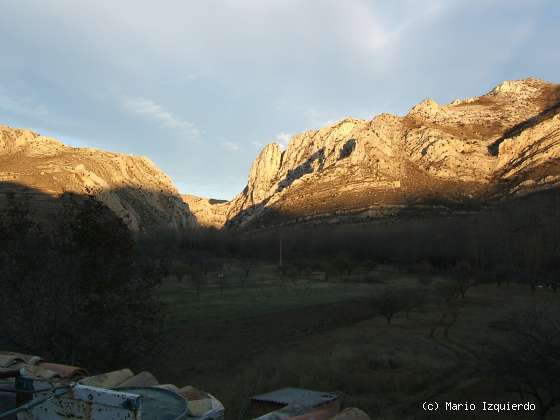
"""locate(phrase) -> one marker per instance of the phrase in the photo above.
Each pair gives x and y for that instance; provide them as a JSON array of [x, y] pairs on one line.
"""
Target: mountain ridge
[[472, 150], [467, 153], [132, 187]]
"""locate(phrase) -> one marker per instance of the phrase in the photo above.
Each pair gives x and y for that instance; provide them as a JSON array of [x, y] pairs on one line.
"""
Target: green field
[[248, 335]]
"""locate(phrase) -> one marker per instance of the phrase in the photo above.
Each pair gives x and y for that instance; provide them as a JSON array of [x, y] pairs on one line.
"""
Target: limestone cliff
[[207, 211], [134, 188], [503, 143]]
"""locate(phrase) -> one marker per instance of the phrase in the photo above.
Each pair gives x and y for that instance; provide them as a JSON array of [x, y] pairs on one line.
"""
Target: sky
[[201, 86]]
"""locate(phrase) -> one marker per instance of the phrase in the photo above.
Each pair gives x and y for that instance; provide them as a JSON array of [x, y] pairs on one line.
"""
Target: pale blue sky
[[200, 86]]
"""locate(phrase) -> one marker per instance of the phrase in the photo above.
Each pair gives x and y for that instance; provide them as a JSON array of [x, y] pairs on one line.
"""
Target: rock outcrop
[[133, 188], [498, 145], [207, 212]]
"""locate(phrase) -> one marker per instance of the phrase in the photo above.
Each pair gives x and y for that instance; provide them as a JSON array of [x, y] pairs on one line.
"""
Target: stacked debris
[[34, 389]]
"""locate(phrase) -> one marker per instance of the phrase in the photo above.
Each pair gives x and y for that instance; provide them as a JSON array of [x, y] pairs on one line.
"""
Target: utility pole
[[280, 252]]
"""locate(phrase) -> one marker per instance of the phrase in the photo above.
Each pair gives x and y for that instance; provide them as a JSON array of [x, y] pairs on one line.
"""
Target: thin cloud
[[194, 83], [12, 105], [233, 147], [155, 112], [28, 109]]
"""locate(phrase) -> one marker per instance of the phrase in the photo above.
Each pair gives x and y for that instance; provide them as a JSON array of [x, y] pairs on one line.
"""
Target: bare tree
[[412, 298], [465, 276], [388, 304], [529, 363], [221, 281], [197, 277], [424, 272], [181, 270], [446, 294]]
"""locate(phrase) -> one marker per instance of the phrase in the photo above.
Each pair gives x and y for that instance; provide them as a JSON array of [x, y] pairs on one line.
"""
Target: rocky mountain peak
[[455, 153], [427, 108], [263, 172], [518, 87], [132, 187]]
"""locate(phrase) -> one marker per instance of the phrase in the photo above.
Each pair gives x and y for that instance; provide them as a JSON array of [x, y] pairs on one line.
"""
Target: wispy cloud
[[155, 112], [390, 31], [182, 79], [28, 109], [233, 147], [193, 83], [12, 105]]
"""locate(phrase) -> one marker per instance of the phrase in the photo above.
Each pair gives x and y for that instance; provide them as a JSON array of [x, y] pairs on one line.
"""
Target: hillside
[[471, 152], [133, 188]]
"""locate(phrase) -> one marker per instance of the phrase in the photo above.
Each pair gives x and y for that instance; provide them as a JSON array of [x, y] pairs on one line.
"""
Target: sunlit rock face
[[208, 212], [500, 144], [134, 188]]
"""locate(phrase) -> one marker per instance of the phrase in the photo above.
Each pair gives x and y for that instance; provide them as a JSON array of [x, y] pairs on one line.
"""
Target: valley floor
[[265, 331]]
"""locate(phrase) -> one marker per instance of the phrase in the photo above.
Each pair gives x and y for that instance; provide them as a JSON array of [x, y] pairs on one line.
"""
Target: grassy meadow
[[251, 332]]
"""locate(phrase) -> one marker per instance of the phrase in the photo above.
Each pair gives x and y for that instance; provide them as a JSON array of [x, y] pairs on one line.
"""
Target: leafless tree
[[412, 298], [221, 281], [388, 304], [464, 274], [446, 294], [529, 362]]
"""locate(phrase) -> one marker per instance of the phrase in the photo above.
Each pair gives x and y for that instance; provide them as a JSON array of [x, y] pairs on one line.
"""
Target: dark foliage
[[75, 292]]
